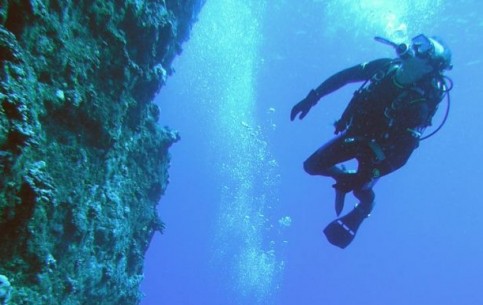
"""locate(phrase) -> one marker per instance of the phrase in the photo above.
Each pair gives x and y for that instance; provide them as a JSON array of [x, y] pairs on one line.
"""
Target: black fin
[[339, 201], [342, 231]]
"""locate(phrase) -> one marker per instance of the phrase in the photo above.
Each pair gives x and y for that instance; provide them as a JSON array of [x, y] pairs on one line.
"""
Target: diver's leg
[[366, 198], [342, 148], [360, 182], [323, 161], [361, 211]]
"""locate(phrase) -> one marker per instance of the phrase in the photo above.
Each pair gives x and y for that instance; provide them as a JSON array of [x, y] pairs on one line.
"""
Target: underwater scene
[[244, 222], [228, 152]]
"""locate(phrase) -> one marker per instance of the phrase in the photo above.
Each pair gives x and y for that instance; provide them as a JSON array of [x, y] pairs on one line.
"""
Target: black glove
[[304, 105]]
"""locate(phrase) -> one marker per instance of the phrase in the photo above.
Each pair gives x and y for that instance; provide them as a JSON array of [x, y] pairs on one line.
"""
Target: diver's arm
[[357, 73]]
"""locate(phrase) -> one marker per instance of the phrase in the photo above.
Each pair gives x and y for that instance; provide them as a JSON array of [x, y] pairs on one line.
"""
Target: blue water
[[244, 222]]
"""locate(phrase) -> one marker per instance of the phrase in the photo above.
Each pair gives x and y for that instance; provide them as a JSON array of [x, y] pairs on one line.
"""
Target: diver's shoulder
[[380, 62], [371, 67]]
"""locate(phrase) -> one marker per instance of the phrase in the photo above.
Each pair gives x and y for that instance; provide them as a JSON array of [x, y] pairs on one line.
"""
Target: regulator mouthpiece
[[401, 48]]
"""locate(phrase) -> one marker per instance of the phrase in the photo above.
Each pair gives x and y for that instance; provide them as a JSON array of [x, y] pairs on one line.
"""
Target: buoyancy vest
[[383, 108]]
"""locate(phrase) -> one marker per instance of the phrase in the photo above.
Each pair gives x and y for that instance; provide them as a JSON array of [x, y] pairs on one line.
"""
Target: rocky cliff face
[[82, 160]]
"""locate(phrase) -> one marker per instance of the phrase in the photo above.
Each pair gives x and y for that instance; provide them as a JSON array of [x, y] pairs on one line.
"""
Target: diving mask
[[424, 47]]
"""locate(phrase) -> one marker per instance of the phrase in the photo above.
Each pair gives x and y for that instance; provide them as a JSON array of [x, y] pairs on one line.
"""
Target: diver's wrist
[[313, 97]]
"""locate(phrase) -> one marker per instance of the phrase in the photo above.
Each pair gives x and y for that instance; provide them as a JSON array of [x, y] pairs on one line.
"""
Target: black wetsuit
[[380, 127]]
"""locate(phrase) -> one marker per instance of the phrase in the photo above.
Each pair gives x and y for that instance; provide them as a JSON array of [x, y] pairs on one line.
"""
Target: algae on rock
[[83, 160]]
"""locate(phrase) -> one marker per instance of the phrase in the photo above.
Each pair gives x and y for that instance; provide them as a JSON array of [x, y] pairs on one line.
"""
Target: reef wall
[[83, 162]]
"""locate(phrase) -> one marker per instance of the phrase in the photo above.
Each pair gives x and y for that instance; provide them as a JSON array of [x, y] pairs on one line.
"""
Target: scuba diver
[[382, 124]]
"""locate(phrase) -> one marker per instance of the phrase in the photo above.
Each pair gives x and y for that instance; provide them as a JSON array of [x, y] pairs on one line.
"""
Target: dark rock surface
[[82, 160]]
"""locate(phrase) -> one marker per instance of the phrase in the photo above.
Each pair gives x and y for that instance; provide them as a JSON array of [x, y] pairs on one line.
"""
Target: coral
[[5, 290], [83, 160]]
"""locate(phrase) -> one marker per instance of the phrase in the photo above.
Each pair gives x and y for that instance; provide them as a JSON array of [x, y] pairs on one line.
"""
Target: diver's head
[[433, 50], [423, 57]]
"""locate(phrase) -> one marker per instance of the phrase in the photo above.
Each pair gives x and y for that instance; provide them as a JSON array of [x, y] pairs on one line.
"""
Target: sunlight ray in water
[[228, 37]]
